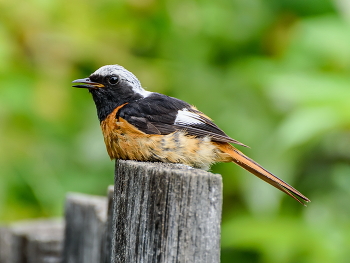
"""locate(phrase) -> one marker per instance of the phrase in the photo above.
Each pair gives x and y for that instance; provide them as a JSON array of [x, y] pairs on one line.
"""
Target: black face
[[110, 81], [108, 92]]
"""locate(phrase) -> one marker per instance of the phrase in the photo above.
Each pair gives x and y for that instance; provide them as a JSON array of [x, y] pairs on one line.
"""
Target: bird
[[151, 127]]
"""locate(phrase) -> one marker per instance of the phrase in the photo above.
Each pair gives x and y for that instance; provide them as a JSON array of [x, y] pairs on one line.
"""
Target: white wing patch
[[185, 117]]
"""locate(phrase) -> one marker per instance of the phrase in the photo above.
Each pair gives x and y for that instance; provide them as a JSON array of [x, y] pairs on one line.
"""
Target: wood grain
[[165, 213], [86, 217]]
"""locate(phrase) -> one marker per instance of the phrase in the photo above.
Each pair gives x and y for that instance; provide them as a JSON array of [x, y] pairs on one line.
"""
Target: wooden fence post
[[32, 241], [156, 212], [165, 213], [106, 246], [5, 244], [86, 217]]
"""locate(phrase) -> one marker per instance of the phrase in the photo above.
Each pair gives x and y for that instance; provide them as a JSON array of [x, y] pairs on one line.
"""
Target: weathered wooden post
[[5, 244], [165, 213], [106, 246], [86, 218], [32, 241], [159, 213]]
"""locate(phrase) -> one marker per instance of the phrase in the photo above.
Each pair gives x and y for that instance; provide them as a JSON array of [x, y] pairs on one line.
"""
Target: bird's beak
[[87, 84]]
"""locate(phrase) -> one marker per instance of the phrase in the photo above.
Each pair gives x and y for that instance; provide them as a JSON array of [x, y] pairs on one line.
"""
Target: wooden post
[[5, 245], [165, 213], [86, 217], [159, 213], [38, 241], [45, 246], [106, 246]]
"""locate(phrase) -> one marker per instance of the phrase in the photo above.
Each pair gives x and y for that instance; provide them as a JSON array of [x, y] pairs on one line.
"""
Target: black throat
[[107, 101]]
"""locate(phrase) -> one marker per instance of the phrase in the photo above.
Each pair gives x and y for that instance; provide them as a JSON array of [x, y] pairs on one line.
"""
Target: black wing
[[161, 114]]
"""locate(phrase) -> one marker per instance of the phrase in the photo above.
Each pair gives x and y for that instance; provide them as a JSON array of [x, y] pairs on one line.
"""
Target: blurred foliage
[[273, 74]]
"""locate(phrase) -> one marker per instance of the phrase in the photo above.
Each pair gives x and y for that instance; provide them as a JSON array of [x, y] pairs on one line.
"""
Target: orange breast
[[125, 141]]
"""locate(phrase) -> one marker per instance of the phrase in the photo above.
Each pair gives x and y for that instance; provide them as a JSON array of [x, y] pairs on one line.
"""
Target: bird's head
[[112, 86], [112, 81]]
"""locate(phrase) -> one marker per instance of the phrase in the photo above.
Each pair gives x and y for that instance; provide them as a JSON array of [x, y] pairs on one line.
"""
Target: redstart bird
[[148, 126]]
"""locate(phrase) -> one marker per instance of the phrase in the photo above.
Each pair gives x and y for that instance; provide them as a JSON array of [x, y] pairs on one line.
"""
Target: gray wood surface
[[45, 246], [155, 213], [5, 244], [38, 241], [86, 218], [106, 245], [165, 213]]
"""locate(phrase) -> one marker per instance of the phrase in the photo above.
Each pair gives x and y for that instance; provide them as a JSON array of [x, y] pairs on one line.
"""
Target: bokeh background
[[273, 74]]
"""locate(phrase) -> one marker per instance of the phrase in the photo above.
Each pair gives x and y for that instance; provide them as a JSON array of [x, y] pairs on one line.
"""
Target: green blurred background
[[273, 74]]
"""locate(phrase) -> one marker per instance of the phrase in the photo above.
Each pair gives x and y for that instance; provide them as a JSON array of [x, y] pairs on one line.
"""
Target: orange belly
[[124, 141]]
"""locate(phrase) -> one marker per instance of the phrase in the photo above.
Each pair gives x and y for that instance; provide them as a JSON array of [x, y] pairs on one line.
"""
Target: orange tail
[[256, 169]]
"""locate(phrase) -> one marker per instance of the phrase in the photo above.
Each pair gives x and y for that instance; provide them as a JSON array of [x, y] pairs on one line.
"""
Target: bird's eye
[[113, 80]]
